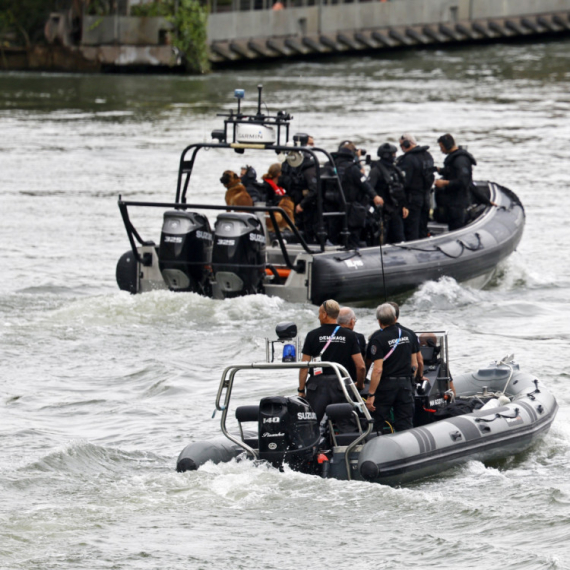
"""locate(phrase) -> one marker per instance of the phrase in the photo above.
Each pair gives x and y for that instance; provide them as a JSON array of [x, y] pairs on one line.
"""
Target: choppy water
[[99, 390]]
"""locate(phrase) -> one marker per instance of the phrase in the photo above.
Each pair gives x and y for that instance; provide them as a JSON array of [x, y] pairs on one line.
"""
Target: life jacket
[[278, 192], [344, 162], [422, 169], [394, 181]]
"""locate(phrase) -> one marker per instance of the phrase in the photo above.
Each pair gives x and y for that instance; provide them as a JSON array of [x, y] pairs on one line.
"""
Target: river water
[[100, 390]]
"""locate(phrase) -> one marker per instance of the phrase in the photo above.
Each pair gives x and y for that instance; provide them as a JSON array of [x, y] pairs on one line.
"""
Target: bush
[[190, 23], [25, 17]]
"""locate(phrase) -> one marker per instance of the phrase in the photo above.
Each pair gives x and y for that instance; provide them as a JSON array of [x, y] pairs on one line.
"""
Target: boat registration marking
[[354, 263]]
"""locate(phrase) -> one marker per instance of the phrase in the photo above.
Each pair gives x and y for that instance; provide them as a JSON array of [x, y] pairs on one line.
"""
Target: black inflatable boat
[[493, 412], [239, 256]]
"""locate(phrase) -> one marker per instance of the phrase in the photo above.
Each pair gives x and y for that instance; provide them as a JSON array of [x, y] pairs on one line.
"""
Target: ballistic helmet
[[387, 151]]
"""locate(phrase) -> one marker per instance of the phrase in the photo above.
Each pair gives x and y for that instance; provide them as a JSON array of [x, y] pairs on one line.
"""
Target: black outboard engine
[[288, 433], [185, 252], [238, 259]]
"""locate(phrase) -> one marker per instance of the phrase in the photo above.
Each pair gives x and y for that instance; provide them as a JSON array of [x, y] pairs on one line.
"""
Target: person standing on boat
[[417, 165], [388, 182], [347, 319], [300, 182], [415, 342], [393, 371], [333, 343], [454, 190], [358, 192]]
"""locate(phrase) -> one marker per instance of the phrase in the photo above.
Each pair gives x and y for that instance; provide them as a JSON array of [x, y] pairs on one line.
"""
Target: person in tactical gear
[[417, 165], [248, 177], [388, 182], [454, 191], [300, 182], [358, 192]]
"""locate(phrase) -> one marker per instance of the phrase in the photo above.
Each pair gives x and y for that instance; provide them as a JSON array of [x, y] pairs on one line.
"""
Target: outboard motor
[[238, 259], [288, 432], [185, 251]]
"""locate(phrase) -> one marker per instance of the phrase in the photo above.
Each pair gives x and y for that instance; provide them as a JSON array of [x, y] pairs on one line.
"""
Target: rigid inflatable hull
[[466, 254], [484, 435]]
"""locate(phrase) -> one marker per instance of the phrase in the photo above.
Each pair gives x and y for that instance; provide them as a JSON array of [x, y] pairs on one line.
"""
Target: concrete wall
[[105, 30], [367, 15], [506, 8]]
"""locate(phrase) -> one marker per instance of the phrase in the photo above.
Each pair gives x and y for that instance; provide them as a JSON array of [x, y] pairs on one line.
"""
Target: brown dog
[[236, 194]]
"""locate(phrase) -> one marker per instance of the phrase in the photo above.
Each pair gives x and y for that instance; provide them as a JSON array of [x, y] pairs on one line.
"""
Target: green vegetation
[[154, 9], [24, 20], [22, 23], [190, 22], [190, 28]]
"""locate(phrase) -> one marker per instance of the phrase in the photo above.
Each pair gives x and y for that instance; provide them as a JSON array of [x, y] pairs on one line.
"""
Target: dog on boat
[[236, 194]]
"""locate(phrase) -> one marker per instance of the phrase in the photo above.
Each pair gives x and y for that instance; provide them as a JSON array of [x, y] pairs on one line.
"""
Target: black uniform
[[362, 343], [388, 182], [357, 191], [301, 184], [455, 198], [396, 389], [324, 389], [417, 166], [254, 188]]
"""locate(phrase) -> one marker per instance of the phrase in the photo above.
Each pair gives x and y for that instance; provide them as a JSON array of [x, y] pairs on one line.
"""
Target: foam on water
[[101, 390]]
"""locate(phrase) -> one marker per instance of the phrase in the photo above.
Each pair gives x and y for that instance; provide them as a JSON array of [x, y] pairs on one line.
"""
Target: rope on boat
[[354, 254], [504, 361], [497, 416], [464, 246]]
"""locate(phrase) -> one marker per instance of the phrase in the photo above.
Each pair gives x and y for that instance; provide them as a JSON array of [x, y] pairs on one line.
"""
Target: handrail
[[271, 210], [186, 167], [226, 386]]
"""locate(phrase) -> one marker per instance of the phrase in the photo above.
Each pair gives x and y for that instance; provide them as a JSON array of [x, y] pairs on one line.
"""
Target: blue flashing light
[[289, 353], [239, 93]]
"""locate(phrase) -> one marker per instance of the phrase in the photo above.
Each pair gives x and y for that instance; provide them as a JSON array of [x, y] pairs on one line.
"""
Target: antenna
[[259, 89], [382, 255]]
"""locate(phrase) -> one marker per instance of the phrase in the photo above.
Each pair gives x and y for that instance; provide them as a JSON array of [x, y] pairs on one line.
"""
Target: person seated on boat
[[347, 319], [236, 194], [333, 343], [394, 367], [358, 191], [388, 181], [273, 192], [300, 182], [455, 190], [417, 165], [430, 340], [255, 189], [277, 196]]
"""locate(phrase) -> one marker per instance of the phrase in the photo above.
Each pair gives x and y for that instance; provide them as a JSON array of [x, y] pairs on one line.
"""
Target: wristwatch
[[371, 395], [300, 389]]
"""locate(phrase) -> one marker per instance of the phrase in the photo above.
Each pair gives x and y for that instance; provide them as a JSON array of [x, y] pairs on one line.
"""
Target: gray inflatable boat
[[491, 413]]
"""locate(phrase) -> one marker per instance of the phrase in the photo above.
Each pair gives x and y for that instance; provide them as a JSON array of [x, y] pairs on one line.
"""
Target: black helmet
[[387, 150], [250, 173]]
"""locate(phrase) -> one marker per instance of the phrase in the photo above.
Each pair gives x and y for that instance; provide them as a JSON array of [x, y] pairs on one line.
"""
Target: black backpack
[[428, 175]]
